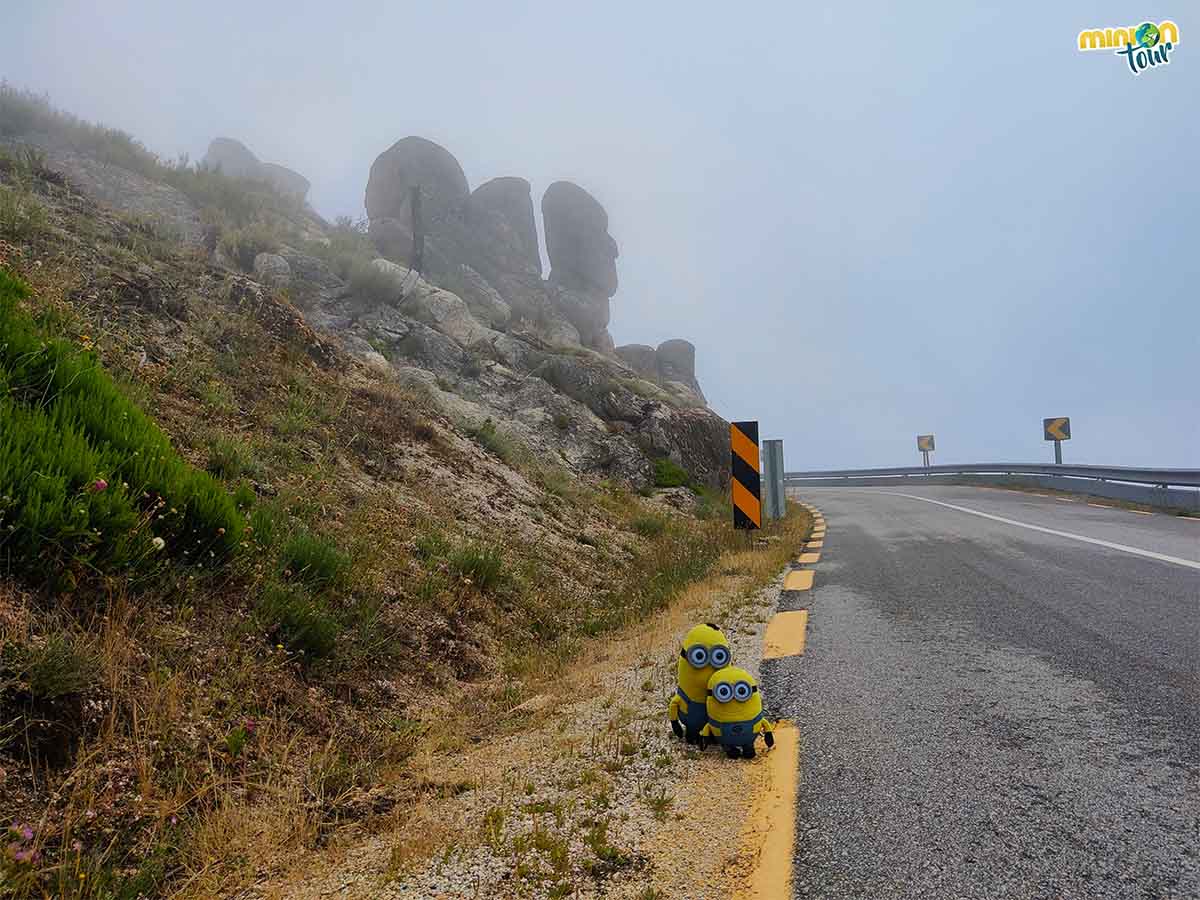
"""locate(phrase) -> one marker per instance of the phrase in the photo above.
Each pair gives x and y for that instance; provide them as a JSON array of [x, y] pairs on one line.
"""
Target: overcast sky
[[872, 220]]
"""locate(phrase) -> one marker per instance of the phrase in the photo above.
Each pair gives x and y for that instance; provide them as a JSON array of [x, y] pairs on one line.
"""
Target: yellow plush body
[[735, 712], [704, 651]]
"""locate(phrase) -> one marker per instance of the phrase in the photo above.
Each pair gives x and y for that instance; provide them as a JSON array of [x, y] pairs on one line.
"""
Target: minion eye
[[742, 691], [719, 656], [723, 693], [698, 657]]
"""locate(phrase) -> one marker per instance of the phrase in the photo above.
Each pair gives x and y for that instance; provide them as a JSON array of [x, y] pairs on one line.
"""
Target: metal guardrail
[[1129, 475]]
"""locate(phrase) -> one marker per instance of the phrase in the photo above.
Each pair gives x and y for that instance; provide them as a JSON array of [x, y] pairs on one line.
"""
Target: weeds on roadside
[[22, 215]]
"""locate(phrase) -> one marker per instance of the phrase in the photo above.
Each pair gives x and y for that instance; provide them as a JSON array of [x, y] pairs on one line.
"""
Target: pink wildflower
[[249, 725], [26, 833], [99, 485]]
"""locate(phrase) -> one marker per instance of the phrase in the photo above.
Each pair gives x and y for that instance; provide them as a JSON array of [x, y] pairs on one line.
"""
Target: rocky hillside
[[474, 324], [278, 513]]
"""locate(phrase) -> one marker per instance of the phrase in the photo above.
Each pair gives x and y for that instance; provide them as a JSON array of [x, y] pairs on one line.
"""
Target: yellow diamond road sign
[[1057, 429], [925, 442]]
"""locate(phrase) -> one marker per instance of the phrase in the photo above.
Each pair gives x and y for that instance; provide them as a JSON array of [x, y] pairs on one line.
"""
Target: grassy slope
[[399, 586]]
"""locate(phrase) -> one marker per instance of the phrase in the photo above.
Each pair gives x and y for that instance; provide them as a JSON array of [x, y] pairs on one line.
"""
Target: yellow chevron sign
[[1057, 429], [744, 481]]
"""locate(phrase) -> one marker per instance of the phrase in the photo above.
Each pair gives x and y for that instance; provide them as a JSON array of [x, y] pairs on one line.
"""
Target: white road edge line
[[1124, 548]]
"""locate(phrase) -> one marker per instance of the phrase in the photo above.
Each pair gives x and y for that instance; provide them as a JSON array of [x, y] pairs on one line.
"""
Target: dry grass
[[203, 753], [507, 773]]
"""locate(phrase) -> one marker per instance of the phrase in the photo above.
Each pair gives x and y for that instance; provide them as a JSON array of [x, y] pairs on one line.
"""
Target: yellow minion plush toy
[[704, 651], [735, 713]]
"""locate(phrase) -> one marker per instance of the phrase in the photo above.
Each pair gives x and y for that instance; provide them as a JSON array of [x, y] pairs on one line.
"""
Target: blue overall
[[737, 734], [695, 713]]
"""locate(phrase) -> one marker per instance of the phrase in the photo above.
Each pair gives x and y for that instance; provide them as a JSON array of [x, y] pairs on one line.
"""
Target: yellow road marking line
[[1064, 499], [785, 635], [807, 559], [1140, 512], [1100, 505], [798, 580], [770, 831]]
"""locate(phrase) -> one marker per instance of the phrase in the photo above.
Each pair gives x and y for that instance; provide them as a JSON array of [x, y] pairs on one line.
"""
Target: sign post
[[774, 499], [1057, 430], [744, 482], [925, 445]]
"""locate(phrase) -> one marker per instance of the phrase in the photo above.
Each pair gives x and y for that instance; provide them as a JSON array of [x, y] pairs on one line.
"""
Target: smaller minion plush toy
[[735, 713], [704, 651]]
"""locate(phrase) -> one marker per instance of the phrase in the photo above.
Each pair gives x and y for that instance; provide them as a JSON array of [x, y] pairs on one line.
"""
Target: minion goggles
[[742, 691], [699, 656]]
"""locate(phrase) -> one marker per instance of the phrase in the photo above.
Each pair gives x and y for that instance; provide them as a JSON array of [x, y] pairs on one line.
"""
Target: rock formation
[[583, 260], [583, 256], [272, 270], [285, 180], [232, 158], [481, 296], [677, 362], [499, 216], [640, 358], [673, 363], [420, 163], [236, 159]]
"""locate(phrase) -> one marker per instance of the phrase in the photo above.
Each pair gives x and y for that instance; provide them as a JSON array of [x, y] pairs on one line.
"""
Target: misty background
[[872, 222]]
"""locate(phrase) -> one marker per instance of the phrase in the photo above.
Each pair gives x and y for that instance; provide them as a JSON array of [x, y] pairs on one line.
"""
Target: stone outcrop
[[415, 162], [639, 357], [583, 256], [499, 219], [677, 362], [481, 306], [272, 270], [285, 180], [232, 158], [672, 364], [236, 159]]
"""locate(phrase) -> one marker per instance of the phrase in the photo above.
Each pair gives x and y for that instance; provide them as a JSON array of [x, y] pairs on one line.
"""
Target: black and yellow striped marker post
[[744, 480]]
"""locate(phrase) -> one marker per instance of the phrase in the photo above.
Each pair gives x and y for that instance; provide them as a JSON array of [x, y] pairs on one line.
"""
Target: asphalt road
[[991, 711]]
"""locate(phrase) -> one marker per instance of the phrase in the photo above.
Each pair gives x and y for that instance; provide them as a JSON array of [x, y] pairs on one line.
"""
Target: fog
[[873, 221]]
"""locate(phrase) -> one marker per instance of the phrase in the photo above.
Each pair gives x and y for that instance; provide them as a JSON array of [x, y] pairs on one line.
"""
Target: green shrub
[[713, 504], [431, 545], [242, 245], [348, 243], [297, 621], [373, 286], [668, 473], [87, 480], [267, 524], [649, 525], [483, 565], [21, 213], [230, 459], [315, 560], [57, 667], [494, 441]]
